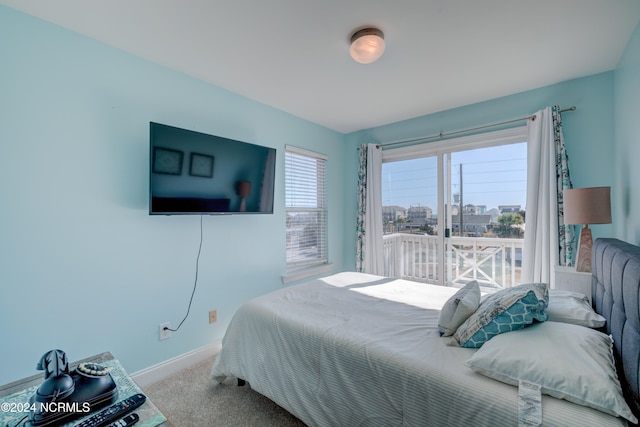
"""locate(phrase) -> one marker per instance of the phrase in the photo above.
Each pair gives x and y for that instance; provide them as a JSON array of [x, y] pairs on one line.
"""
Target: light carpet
[[190, 398]]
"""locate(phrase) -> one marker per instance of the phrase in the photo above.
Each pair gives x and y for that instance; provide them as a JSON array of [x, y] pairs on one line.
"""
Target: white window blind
[[306, 208]]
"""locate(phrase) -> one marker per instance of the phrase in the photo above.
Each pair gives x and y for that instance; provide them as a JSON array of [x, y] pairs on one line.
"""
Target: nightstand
[[568, 279]]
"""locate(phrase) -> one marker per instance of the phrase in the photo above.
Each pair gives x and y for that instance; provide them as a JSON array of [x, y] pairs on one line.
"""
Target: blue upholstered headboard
[[616, 296]]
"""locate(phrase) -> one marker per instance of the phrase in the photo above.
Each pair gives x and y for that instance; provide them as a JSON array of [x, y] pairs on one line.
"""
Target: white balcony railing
[[493, 262]]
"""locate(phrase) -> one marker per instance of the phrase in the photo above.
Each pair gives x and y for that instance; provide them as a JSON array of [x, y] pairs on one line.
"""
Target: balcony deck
[[493, 262]]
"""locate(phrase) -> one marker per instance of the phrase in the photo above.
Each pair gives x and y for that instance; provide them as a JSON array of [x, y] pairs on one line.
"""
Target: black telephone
[[66, 395]]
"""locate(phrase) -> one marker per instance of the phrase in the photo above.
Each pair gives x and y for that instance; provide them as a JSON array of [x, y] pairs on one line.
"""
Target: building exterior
[[509, 209], [391, 214], [419, 213], [473, 225]]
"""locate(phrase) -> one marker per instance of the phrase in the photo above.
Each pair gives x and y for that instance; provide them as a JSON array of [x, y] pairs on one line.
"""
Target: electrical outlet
[[165, 333], [213, 316]]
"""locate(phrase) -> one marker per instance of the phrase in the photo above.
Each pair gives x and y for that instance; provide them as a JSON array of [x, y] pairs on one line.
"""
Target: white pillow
[[568, 361], [458, 308], [573, 307]]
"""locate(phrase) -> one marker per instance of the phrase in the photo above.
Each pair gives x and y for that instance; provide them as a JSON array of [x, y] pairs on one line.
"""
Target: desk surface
[[146, 411]]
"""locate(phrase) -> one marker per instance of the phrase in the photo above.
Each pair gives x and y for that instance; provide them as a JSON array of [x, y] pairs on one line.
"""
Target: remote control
[[114, 411], [127, 421]]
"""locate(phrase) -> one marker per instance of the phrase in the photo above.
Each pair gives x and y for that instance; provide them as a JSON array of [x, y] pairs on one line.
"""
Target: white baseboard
[[164, 369]]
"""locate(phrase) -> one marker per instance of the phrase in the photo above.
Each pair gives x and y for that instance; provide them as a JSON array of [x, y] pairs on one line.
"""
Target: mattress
[[357, 349]]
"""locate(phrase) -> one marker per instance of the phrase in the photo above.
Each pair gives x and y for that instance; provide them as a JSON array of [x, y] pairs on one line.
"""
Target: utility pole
[[461, 205]]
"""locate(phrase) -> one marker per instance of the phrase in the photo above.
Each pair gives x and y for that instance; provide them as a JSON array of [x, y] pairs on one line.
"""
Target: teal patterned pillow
[[504, 311]]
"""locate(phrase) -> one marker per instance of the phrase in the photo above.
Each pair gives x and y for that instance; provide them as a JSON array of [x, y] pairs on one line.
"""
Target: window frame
[[300, 268], [444, 147], [479, 140]]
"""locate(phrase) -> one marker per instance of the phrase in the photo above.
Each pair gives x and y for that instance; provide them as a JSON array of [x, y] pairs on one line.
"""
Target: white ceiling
[[294, 54]]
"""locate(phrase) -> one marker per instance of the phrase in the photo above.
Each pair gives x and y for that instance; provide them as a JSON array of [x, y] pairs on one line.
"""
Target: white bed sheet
[[356, 349]]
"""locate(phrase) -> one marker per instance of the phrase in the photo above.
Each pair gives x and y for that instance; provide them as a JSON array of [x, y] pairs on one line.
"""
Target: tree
[[427, 229], [510, 219], [399, 222], [508, 225]]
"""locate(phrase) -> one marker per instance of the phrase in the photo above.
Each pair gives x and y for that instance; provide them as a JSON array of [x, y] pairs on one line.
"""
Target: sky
[[491, 176]]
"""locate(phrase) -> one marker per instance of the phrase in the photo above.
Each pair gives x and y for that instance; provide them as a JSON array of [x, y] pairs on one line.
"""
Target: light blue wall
[[83, 267], [588, 131], [626, 212]]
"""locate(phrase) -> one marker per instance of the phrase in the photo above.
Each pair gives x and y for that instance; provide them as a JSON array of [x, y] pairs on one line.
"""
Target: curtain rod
[[442, 135]]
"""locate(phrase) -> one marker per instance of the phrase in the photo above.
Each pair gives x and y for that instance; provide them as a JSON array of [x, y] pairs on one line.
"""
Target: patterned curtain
[[369, 246], [362, 198], [566, 233]]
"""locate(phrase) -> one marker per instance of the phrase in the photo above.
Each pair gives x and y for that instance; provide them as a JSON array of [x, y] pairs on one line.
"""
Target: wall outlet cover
[[165, 333]]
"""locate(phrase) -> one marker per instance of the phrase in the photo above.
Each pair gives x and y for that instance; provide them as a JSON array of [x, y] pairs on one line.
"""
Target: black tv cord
[[19, 422], [195, 283]]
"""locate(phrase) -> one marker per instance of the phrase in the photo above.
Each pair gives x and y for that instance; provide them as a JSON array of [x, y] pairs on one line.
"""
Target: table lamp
[[586, 206]]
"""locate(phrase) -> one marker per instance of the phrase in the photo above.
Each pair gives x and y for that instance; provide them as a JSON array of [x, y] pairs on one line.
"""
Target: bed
[[357, 349]]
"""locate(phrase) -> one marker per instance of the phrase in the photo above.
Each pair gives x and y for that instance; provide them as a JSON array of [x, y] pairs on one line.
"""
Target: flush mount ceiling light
[[367, 45]]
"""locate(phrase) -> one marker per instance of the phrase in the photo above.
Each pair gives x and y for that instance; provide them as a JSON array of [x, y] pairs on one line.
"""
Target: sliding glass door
[[410, 199], [454, 212]]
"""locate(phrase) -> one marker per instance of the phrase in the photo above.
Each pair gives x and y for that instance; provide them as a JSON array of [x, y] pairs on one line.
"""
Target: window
[[306, 208], [454, 210]]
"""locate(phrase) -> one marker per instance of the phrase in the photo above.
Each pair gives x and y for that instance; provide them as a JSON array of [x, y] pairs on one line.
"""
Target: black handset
[[57, 384], [66, 395]]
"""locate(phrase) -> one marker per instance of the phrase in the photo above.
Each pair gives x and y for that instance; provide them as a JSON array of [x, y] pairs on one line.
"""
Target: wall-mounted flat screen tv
[[192, 173]]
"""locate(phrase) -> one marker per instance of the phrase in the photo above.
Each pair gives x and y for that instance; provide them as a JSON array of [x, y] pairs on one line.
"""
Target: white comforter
[[356, 350]]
